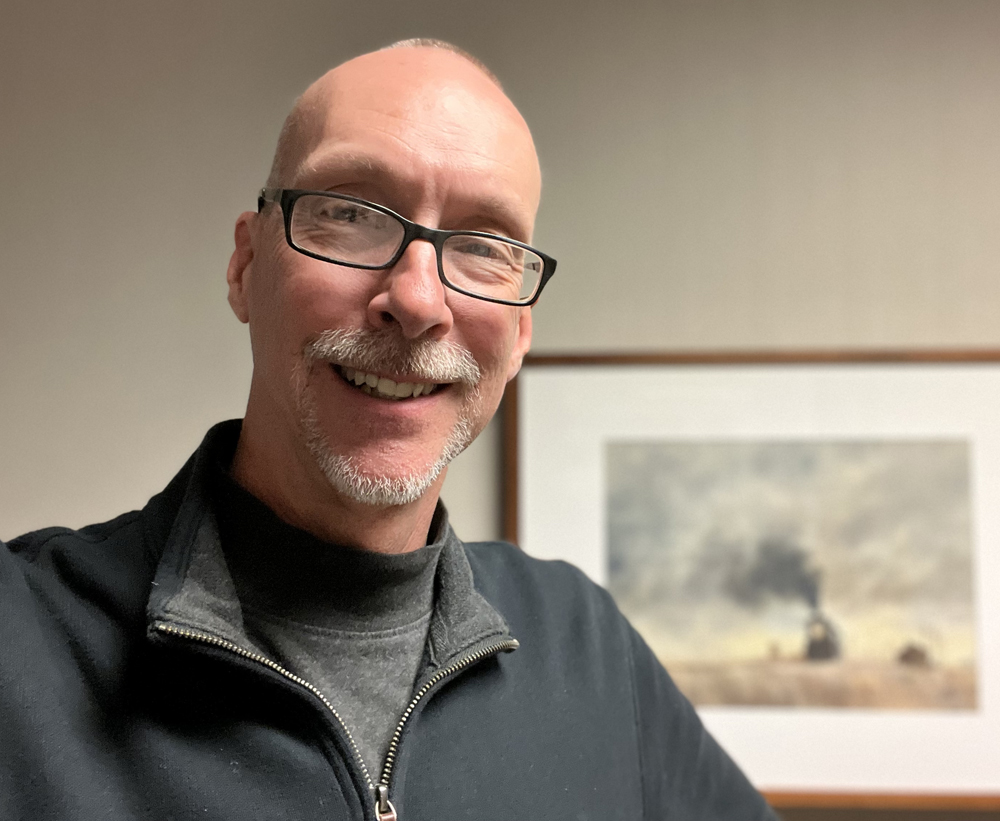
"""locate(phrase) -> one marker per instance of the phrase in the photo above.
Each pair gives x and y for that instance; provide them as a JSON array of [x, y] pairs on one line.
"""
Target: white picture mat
[[568, 413]]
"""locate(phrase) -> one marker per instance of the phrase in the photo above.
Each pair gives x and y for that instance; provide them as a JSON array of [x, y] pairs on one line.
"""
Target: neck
[[288, 481]]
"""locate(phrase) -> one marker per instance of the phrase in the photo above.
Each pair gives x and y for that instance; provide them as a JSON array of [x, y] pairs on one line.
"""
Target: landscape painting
[[835, 574]]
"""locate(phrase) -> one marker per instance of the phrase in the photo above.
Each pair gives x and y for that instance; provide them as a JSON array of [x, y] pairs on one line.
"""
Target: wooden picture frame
[[873, 394]]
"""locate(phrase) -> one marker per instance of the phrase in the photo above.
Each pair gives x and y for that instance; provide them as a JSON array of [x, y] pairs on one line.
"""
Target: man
[[291, 629]]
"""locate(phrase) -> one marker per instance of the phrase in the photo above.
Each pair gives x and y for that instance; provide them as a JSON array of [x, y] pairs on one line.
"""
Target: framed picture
[[809, 542]]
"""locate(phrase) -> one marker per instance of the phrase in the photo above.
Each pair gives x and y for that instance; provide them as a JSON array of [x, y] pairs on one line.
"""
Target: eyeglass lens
[[352, 233]]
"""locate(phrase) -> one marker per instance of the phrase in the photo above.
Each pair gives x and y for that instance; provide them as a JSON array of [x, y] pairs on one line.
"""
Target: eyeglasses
[[349, 231]]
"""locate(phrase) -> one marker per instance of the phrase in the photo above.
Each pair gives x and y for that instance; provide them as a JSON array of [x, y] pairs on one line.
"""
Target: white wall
[[717, 174]]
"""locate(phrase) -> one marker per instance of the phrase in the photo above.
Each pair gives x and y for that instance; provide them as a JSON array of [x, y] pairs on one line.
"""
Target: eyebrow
[[341, 162], [372, 168], [500, 212]]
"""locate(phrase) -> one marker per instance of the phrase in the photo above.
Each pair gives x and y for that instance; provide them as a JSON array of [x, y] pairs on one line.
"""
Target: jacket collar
[[193, 590]]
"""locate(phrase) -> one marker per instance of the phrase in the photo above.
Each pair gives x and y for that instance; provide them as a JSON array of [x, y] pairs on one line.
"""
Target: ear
[[239, 263], [521, 344]]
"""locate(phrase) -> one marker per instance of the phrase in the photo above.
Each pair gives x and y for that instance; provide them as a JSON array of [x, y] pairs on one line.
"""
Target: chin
[[355, 478], [371, 487]]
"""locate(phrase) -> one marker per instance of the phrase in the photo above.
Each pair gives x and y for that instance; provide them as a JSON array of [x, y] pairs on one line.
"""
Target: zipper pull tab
[[383, 806]]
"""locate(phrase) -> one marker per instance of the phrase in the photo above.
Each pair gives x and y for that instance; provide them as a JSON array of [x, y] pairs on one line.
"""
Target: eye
[[344, 213], [348, 213], [477, 248]]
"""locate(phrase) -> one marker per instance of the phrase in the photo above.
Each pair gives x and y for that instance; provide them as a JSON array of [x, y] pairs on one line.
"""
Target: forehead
[[424, 121]]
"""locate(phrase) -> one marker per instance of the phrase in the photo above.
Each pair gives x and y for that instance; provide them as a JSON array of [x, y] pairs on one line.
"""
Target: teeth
[[384, 387]]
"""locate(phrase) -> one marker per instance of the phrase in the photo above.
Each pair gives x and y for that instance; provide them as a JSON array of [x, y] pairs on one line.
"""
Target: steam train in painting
[[822, 641]]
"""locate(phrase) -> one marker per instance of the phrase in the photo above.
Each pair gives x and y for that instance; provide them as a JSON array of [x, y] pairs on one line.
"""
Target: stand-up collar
[[203, 588]]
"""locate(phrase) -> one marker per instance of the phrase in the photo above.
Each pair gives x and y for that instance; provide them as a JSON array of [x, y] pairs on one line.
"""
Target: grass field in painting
[[857, 684]]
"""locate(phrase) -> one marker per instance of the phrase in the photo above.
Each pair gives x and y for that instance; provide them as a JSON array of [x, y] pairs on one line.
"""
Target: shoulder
[[570, 628], [504, 559], [563, 620], [514, 581], [72, 604], [107, 564], [37, 544]]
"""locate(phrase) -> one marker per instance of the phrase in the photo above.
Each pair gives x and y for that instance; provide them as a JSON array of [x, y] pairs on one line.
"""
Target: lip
[[395, 377], [388, 389]]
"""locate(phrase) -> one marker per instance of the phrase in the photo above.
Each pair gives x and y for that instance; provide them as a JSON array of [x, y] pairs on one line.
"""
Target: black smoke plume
[[780, 570]]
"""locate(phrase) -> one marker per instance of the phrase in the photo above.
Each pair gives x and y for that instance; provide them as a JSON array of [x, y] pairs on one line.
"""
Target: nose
[[412, 295]]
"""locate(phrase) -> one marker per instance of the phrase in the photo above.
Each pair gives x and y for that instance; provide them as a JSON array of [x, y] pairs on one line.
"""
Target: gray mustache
[[385, 351]]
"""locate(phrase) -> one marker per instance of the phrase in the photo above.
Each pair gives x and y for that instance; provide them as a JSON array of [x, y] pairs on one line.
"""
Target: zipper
[[384, 810], [239, 651]]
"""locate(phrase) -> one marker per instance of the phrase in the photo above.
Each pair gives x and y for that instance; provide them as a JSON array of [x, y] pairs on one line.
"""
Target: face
[[374, 380]]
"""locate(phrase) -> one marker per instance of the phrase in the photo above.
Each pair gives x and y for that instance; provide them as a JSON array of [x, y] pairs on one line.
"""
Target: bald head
[[425, 42], [416, 79]]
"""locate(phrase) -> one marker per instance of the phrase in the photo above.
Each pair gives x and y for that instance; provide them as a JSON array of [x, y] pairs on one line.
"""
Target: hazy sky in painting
[[717, 549]]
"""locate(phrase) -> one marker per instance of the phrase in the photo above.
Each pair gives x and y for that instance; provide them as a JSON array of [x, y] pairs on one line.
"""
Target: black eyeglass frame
[[286, 197]]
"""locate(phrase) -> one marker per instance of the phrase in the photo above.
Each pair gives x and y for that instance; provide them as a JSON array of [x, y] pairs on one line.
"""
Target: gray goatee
[[386, 352]]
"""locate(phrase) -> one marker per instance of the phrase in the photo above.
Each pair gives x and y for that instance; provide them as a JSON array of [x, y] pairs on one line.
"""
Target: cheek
[[304, 297], [489, 333]]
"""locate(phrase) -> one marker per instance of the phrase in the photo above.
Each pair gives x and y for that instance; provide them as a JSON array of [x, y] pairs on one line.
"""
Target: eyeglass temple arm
[[267, 195]]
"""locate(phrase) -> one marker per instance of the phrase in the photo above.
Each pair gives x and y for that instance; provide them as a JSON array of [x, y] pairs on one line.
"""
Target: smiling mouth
[[383, 387]]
